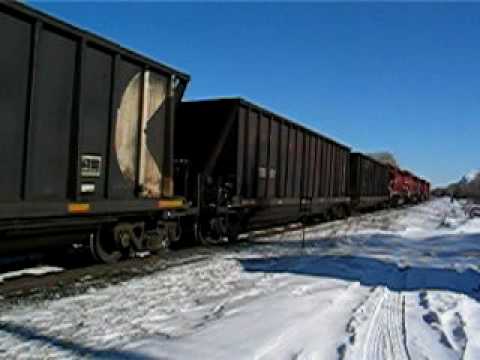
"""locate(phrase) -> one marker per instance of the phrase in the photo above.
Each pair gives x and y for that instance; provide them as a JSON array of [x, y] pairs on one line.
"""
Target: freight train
[[99, 149]]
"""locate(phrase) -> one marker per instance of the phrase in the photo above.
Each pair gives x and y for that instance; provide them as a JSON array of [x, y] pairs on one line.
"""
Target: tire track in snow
[[404, 329], [379, 326], [385, 339]]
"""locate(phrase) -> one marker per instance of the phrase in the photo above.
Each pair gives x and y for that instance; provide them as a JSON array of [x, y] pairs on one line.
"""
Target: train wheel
[[233, 231], [340, 212], [348, 210], [175, 232], [197, 232], [157, 240], [138, 236], [201, 235], [326, 216], [331, 216], [104, 248], [211, 233]]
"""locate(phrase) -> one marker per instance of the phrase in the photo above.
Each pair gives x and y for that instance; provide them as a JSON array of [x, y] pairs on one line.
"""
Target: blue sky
[[398, 77]]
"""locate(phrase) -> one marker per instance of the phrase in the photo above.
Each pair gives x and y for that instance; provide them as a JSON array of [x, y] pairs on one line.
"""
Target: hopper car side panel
[[87, 125], [369, 182], [278, 171]]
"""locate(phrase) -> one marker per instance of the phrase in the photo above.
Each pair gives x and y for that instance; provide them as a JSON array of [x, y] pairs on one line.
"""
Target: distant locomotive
[[405, 187], [99, 149]]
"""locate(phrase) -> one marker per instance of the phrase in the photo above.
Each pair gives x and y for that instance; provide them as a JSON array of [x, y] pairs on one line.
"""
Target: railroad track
[[80, 279], [79, 275], [84, 276]]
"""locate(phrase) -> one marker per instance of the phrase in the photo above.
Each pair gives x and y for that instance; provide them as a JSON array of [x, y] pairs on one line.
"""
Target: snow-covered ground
[[400, 284]]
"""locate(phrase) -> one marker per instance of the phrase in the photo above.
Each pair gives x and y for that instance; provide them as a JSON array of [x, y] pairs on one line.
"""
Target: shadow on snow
[[442, 246], [370, 272], [443, 251], [26, 333]]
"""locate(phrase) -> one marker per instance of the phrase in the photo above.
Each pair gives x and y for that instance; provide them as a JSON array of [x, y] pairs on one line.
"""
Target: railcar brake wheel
[[104, 249]]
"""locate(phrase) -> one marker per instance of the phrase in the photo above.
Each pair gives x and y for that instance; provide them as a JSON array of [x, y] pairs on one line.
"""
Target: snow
[[35, 271], [398, 284]]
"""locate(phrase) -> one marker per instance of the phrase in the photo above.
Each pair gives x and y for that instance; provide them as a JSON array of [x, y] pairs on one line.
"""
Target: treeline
[[462, 189], [384, 157]]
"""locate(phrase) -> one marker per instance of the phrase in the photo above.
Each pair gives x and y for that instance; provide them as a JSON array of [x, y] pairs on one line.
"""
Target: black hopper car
[[255, 168], [98, 148], [87, 139], [369, 182]]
